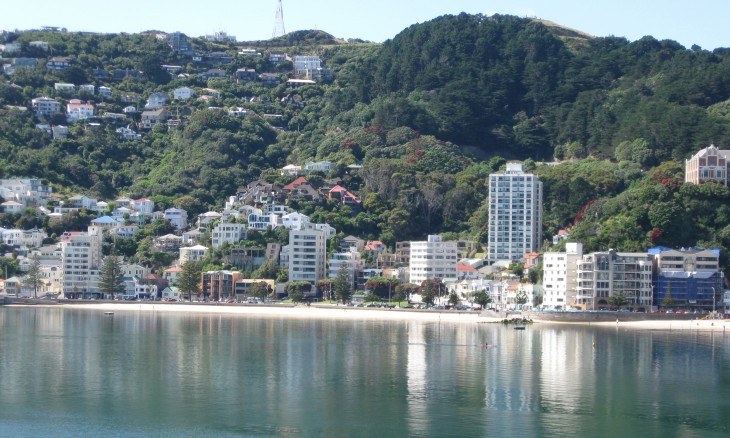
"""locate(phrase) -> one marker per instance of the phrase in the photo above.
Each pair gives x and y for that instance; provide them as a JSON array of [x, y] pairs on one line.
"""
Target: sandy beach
[[719, 325], [326, 311], [300, 311]]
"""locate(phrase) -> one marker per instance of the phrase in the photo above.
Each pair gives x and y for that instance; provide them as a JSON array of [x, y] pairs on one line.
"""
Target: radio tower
[[279, 22]]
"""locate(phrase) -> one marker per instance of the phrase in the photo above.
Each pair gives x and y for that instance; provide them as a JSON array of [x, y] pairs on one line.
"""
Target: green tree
[[518, 269], [33, 278], [618, 300], [297, 289], [521, 297], [268, 270], [482, 298], [342, 286], [404, 291], [381, 286], [189, 280], [453, 299], [668, 301], [260, 289], [111, 281]]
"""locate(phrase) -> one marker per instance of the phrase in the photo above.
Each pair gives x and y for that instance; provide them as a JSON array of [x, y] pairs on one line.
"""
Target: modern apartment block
[[433, 258], [350, 262], [45, 106], [228, 232], [560, 277], [220, 284], [708, 165], [177, 217], [515, 214], [81, 258], [690, 277], [307, 252], [603, 274], [29, 192]]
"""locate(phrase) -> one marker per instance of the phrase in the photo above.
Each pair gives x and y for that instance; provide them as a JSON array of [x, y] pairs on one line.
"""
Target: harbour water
[[66, 372]]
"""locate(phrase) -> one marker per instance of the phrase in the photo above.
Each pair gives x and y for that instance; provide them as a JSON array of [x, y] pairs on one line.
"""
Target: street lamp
[[713, 302]]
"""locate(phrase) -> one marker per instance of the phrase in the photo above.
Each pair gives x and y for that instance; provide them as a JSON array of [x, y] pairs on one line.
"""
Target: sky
[[701, 22]]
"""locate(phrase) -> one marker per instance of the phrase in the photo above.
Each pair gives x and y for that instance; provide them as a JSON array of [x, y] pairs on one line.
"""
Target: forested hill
[[428, 114], [514, 86]]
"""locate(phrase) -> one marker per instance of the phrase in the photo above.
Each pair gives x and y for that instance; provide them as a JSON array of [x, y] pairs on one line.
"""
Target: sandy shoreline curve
[[324, 311], [717, 325], [300, 311]]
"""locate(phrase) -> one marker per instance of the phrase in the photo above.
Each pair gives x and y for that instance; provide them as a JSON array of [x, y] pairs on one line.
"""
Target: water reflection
[[68, 372]]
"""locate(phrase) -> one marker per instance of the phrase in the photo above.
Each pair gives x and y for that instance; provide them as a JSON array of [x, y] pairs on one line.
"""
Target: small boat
[[108, 313], [520, 327]]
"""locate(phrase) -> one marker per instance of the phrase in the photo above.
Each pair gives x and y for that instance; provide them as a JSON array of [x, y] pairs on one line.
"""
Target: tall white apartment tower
[[433, 258], [307, 253], [515, 214], [560, 276], [81, 259]]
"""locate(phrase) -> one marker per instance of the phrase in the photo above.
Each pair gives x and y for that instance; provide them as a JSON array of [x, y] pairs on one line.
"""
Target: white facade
[[603, 274], [350, 262], [75, 111], [262, 222], [143, 205], [515, 214], [81, 258], [307, 250], [156, 100], [433, 258], [228, 232], [12, 207], [192, 253], [303, 63], [177, 217], [560, 276], [294, 220], [321, 166], [45, 106], [30, 192], [23, 238], [183, 93]]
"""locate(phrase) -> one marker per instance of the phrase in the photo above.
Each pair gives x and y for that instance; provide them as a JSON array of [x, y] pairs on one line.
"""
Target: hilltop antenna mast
[[279, 22]]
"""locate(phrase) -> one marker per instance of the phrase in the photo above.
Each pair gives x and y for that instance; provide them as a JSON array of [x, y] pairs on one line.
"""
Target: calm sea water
[[82, 373]]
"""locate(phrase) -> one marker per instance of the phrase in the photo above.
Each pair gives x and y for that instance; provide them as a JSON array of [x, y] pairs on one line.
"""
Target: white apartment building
[[603, 274], [75, 111], [262, 222], [143, 205], [45, 106], [81, 257], [432, 258], [294, 220], [560, 277], [183, 93], [192, 253], [307, 252], [177, 217], [515, 214], [228, 232], [30, 192], [23, 238], [350, 262], [305, 63]]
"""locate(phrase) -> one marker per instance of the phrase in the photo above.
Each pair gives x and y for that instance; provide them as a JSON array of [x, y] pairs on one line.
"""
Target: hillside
[[429, 114]]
